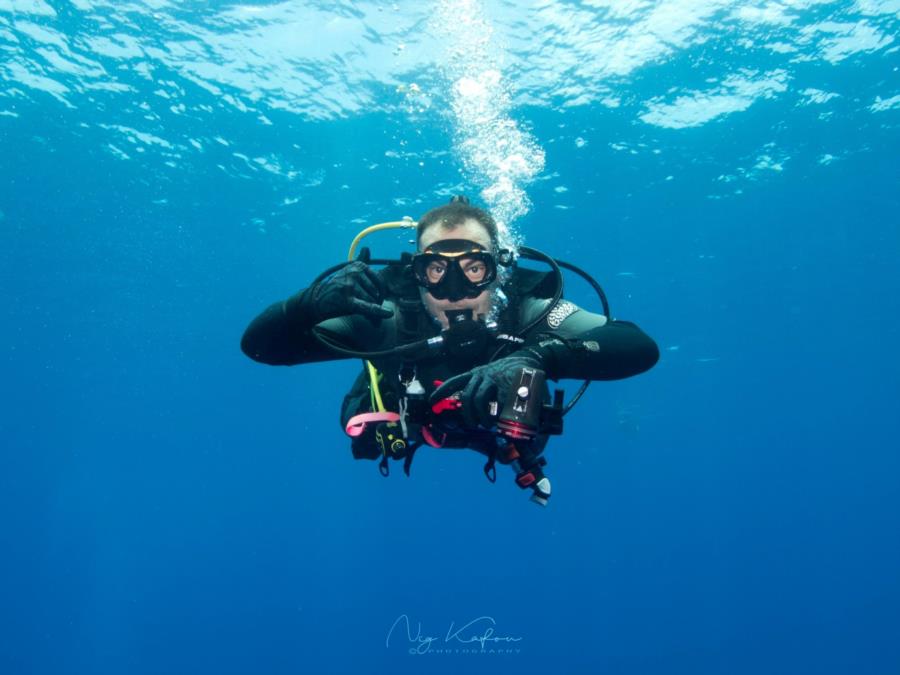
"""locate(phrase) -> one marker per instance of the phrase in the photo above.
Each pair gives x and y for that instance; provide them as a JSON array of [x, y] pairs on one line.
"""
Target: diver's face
[[469, 229]]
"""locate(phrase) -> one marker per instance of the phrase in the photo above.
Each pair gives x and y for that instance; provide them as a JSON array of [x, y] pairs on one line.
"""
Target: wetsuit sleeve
[[282, 334], [574, 344]]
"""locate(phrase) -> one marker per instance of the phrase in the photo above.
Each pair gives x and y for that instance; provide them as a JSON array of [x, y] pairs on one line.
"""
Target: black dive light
[[523, 418], [524, 414], [521, 415]]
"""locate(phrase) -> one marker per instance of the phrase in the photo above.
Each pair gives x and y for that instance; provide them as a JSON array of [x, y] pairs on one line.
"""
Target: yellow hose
[[393, 225], [375, 389]]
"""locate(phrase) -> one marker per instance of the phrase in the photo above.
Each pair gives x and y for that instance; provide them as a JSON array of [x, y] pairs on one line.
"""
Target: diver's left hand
[[483, 385]]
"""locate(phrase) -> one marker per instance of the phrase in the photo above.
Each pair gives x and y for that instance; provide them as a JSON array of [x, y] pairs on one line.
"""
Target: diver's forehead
[[469, 229]]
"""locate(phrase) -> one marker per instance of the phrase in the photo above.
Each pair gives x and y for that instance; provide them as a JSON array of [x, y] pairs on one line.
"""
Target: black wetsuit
[[572, 343]]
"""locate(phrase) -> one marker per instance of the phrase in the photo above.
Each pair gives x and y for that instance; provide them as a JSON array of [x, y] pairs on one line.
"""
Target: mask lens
[[435, 271], [475, 270]]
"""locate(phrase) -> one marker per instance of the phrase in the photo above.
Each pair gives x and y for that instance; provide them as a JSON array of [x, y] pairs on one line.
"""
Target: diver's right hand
[[355, 289]]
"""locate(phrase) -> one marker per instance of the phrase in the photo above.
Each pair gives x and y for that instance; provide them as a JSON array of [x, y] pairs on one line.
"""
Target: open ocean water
[[728, 171]]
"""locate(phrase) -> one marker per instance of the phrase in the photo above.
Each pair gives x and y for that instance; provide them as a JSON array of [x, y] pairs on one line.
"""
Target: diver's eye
[[475, 272], [435, 271]]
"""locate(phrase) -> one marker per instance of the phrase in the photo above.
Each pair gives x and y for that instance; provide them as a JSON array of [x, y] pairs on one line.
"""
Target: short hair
[[455, 214]]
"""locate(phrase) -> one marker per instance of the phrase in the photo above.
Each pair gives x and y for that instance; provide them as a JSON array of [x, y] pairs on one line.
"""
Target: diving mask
[[454, 269]]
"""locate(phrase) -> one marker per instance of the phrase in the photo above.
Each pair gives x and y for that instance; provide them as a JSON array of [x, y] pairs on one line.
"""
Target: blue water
[[728, 170]]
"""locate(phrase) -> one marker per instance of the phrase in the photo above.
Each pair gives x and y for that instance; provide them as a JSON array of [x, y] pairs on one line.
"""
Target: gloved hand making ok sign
[[354, 289], [483, 385]]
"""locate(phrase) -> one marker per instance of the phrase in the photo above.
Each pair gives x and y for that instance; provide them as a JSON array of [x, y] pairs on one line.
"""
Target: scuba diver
[[459, 342]]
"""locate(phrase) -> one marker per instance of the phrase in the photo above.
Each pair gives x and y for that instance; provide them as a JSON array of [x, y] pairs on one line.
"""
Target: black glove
[[483, 385], [355, 289]]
